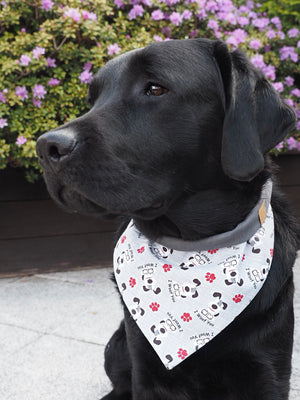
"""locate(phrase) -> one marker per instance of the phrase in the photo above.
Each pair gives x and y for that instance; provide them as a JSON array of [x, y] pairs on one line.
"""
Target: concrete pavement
[[53, 330]]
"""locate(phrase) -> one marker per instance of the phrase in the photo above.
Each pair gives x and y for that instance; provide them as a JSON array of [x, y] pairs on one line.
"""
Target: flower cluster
[[50, 51]]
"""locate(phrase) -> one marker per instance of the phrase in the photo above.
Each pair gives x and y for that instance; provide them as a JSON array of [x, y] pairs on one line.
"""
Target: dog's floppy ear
[[256, 118]]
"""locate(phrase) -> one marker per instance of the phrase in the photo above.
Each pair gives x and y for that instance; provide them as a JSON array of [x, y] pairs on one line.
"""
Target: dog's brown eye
[[155, 90]]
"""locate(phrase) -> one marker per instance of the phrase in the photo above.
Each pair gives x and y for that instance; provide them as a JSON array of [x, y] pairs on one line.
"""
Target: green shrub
[[50, 50], [287, 10]]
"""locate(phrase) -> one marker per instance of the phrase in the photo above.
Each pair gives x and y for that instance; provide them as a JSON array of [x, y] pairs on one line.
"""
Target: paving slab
[[53, 330], [54, 368]]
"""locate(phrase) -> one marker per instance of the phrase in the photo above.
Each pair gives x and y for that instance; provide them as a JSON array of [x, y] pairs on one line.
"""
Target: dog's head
[[171, 117]]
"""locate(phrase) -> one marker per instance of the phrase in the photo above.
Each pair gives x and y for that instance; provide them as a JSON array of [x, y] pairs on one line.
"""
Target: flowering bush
[[51, 49]]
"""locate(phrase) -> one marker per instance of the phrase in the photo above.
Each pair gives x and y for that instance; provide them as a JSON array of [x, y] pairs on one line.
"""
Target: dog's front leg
[[118, 366]]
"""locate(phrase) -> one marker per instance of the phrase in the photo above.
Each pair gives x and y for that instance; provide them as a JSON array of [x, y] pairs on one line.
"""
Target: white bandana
[[182, 299]]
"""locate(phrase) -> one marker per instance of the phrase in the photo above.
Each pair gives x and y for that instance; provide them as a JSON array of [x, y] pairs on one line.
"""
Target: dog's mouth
[[154, 211], [74, 201]]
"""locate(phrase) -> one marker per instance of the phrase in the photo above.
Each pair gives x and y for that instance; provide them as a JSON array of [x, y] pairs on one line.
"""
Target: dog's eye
[[155, 90]]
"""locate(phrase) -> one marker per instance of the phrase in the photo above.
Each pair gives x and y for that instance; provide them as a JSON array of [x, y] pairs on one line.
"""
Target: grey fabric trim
[[241, 233]]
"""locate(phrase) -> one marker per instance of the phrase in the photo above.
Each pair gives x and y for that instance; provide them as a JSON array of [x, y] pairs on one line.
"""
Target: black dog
[[176, 139]]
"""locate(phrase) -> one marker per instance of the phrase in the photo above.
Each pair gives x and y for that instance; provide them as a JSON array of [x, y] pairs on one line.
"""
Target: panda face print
[[149, 281], [214, 307], [186, 289], [162, 329], [161, 252], [193, 261]]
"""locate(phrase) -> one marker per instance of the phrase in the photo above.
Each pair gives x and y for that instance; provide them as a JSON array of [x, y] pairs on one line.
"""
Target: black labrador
[[177, 139]]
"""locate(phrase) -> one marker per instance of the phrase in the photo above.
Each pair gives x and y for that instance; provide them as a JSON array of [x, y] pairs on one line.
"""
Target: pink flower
[[2, 96], [288, 51], [51, 62], [292, 143], [39, 91], [279, 146], [72, 13], [294, 32], [87, 66], [3, 122], [113, 49], [25, 60], [172, 2], [231, 18], [86, 76], [278, 86], [37, 52], [295, 92], [289, 81], [212, 6], [175, 18], [243, 21], [232, 40], [240, 35], [157, 15], [119, 3], [21, 91], [47, 5], [89, 15], [37, 103], [213, 24], [276, 21], [289, 102], [255, 44], [271, 34], [269, 71], [261, 23], [247, 8], [21, 140], [258, 61], [187, 14], [53, 82], [202, 14], [157, 38], [136, 11]]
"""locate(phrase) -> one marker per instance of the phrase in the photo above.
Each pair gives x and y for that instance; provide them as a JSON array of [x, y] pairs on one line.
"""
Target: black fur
[[189, 163]]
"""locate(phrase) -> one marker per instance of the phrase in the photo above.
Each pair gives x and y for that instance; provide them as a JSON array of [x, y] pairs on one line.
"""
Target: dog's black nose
[[54, 146]]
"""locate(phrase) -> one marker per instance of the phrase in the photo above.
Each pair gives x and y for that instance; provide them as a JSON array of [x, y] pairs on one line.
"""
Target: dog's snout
[[54, 146]]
